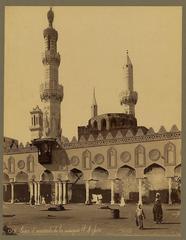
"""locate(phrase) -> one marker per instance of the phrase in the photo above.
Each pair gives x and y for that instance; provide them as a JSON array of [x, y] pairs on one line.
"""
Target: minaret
[[128, 97], [51, 92], [94, 107]]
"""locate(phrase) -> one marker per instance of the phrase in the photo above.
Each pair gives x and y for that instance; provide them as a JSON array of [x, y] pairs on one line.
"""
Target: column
[[38, 193], [64, 193], [60, 192], [35, 192], [170, 189], [56, 193], [31, 190], [12, 192], [112, 191], [140, 190], [87, 192]]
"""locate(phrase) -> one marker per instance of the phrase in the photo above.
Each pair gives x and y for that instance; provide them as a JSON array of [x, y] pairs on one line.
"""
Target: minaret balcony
[[128, 97], [50, 57], [50, 32], [51, 93]]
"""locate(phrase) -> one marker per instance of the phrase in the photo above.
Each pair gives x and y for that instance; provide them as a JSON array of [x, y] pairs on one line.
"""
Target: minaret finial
[[50, 16], [94, 97], [94, 105]]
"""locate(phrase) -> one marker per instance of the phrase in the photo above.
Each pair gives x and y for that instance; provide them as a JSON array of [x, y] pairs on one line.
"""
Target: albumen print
[[92, 121]]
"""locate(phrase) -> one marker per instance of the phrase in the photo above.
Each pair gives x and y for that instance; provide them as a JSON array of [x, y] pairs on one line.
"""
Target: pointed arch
[[47, 176], [111, 158], [140, 157], [151, 166], [22, 177], [170, 154], [127, 184], [100, 173], [76, 170], [155, 180], [76, 176], [125, 171]]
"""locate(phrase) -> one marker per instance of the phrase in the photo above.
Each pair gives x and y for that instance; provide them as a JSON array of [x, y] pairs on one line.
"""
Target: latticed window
[[86, 160], [112, 158], [30, 163], [170, 154], [140, 156], [11, 165]]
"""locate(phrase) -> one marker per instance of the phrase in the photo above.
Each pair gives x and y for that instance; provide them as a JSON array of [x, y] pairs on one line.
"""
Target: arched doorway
[[76, 188], [47, 188], [21, 188], [176, 185], [6, 188], [155, 181], [100, 184], [127, 185]]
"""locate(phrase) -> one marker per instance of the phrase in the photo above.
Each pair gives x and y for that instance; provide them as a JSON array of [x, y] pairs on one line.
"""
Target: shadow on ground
[[171, 223], [153, 228]]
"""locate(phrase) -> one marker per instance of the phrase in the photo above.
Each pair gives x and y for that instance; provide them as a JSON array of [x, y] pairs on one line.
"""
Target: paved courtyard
[[79, 219]]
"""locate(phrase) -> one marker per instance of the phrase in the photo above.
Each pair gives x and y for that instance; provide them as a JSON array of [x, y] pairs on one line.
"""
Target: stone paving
[[80, 219]]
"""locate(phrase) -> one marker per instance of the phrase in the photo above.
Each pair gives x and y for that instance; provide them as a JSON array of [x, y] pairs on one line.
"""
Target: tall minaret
[[51, 92], [94, 107], [128, 97]]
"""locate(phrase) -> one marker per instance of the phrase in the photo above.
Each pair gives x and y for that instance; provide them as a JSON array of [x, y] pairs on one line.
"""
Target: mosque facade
[[112, 156]]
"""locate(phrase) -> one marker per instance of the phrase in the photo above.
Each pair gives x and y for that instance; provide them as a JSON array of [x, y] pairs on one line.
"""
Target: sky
[[92, 43]]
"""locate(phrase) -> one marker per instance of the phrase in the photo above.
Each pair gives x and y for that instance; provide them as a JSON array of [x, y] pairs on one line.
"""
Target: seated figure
[[99, 197], [94, 198]]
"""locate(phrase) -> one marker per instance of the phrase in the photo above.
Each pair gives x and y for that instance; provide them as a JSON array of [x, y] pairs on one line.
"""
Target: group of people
[[43, 199], [157, 212]]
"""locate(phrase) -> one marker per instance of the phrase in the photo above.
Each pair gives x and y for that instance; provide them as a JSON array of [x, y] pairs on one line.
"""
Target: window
[[140, 156], [112, 158], [30, 163], [48, 42], [86, 160], [103, 124], [11, 165], [170, 154]]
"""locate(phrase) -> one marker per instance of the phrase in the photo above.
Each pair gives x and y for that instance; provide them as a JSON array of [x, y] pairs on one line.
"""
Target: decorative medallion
[[74, 161], [21, 164], [125, 157], [99, 159], [154, 154]]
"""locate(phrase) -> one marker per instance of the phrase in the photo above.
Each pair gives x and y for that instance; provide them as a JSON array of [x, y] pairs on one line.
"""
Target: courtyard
[[89, 220]]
